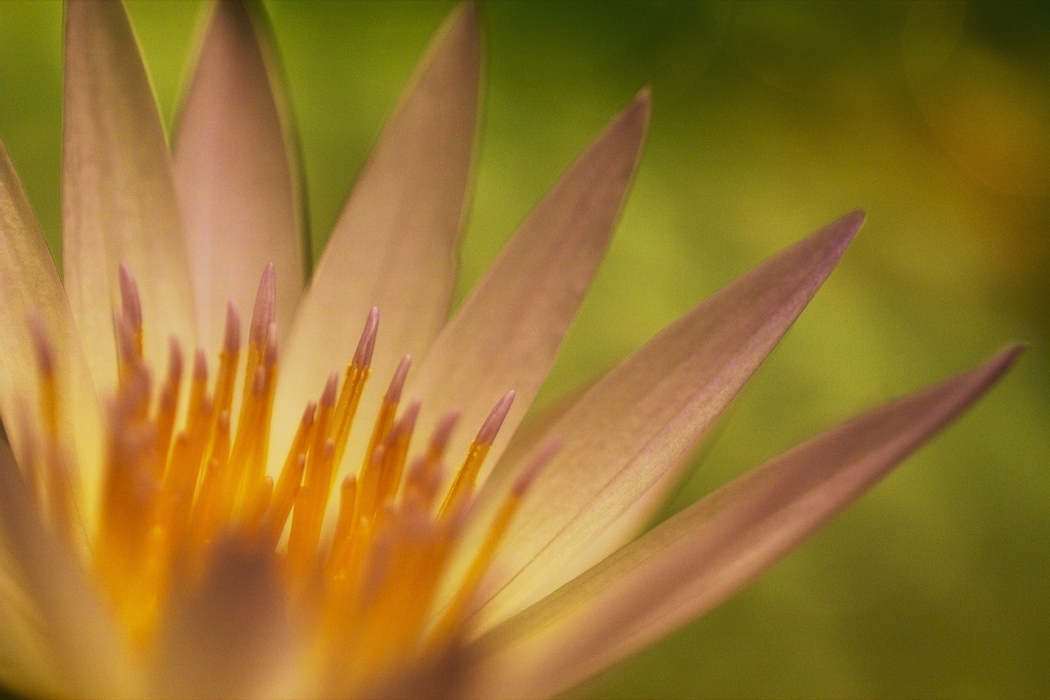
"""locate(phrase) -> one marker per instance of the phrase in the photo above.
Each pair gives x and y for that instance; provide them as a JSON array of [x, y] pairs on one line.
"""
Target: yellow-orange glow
[[171, 491]]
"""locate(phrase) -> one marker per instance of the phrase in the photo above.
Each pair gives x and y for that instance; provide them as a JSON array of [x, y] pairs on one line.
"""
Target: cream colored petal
[[234, 177], [507, 333], [32, 675], [75, 634], [30, 288], [636, 424], [118, 195], [394, 244], [231, 637], [703, 555]]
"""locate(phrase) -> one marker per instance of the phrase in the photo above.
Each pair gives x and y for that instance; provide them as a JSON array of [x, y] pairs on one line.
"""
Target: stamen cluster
[[366, 594]]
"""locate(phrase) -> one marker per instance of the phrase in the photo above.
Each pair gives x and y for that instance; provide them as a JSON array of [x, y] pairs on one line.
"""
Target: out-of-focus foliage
[[769, 119]]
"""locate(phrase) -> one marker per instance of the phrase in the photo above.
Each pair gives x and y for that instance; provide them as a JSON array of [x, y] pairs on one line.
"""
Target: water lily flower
[[335, 518]]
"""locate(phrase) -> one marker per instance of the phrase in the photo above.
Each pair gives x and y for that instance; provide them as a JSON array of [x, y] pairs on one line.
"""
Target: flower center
[[366, 594]]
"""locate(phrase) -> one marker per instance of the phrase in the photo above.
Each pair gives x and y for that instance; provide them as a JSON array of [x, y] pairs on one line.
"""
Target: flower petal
[[118, 196], [30, 288], [231, 637], [506, 334], [639, 421], [394, 244], [703, 555], [233, 174], [74, 630]]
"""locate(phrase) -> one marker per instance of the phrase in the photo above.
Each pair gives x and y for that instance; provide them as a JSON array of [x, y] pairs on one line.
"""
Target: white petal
[[703, 555], [394, 244], [234, 178], [118, 195], [507, 333], [637, 424]]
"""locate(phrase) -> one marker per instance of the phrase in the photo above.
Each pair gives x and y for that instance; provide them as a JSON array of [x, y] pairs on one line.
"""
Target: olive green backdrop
[[769, 119]]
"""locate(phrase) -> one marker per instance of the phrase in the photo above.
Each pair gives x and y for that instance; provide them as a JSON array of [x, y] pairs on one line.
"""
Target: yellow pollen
[[171, 492]]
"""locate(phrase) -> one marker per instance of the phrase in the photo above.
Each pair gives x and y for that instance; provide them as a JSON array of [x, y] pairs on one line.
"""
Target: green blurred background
[[769, 119]]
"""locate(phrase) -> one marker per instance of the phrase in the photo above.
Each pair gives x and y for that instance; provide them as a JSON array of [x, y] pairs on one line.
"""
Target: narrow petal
[[75, 633], [234, 177], [394, 244], [118, 195], [30, 288], [625, 435], [507, 333], [230, 637], [703, 555]]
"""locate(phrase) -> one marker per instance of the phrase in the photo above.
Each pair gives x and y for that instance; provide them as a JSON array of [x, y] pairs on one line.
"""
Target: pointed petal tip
[[844, 229], [468, 11], [638, 111], [1002, 361], [464, 22]]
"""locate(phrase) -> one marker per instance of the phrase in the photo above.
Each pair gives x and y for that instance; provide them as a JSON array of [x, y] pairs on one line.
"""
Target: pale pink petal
[[703, 555], [230, 637], [507, 333], [31, 292], [74, 631], [624, 436], [233, 175], [394, 244], [118, 195]]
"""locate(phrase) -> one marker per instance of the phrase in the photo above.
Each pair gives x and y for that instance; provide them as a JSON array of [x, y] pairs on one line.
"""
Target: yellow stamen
[[170, 492], [291, 477], [487, 552], [463, 486], [167, 404], [371, 470]]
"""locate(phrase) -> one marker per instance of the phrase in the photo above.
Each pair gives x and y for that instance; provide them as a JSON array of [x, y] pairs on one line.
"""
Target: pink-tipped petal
[[118, 193], [31, 288], [234, 176], [656, 405], [703, 555], [508, 331], [394, 243]]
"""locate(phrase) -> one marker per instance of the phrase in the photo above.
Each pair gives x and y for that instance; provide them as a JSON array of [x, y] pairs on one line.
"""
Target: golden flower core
[[365, 594]]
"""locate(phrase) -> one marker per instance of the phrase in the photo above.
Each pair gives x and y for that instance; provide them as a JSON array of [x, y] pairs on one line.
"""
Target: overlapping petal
[[698, 558], [556, 606], [629, 431], [507, 333], [31, 292], [68, 625], [234, 177], [118, 195], [394, 245]]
